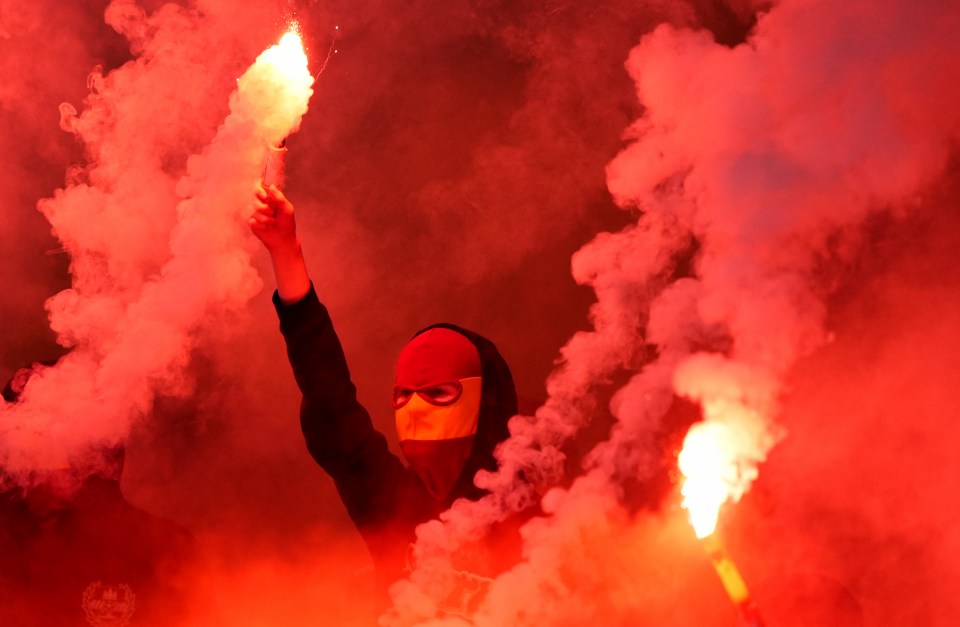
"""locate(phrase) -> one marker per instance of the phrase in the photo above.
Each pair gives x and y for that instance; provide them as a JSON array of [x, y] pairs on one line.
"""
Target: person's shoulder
[[138, 529]]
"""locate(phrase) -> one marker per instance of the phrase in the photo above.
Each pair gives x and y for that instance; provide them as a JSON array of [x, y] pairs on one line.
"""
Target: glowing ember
[[710, 473]]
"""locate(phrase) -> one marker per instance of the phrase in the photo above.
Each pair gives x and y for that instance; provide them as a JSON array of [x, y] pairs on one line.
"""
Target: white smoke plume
[[156, 234], [771, 155]]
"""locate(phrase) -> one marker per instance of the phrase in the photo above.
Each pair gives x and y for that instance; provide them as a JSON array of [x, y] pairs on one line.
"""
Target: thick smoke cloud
[[771, 155], [46, 57], [137, 299], [789, 204]]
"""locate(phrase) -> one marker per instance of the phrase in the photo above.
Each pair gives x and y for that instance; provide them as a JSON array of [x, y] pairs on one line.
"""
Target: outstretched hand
[[272, 220]]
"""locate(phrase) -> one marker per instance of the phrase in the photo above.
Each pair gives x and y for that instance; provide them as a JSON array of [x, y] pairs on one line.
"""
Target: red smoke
[[790, 202], [771, 156]]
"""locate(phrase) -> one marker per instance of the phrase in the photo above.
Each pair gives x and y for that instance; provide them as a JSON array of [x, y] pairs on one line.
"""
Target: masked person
[[452, 399], [75, 552]]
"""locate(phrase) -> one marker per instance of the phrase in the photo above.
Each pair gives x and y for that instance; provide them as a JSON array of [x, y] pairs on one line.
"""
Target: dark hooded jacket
[[90, 558], [385, 500], [96, 560]]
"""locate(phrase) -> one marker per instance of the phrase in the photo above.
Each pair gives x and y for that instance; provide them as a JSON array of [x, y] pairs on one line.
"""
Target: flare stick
[[273, 169], [733, 583]]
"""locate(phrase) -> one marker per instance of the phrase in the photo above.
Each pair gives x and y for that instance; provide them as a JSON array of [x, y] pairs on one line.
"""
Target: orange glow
[[709, 468]]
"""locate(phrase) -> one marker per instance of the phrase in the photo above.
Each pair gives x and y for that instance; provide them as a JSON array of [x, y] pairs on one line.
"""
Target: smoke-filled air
[[714, 240]]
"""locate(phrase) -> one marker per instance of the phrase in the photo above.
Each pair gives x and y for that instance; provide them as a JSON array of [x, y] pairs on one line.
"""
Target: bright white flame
[[710, 471], [288, 56], [275, 91]]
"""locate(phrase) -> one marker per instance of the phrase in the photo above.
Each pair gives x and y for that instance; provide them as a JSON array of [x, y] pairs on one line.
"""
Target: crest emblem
[[108, 605]]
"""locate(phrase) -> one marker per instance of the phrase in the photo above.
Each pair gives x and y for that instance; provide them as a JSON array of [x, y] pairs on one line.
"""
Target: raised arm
[[337, 428]]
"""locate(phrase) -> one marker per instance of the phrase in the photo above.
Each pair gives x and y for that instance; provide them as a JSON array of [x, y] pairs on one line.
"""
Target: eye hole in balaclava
[[437, 403]]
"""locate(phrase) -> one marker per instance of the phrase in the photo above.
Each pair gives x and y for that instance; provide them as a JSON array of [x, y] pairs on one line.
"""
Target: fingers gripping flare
[[272, 220]]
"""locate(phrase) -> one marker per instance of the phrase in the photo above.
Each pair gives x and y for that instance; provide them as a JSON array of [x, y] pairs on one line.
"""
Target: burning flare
[[280, 83], [287, 57], [288, 61], [709, 472], [712, 476]]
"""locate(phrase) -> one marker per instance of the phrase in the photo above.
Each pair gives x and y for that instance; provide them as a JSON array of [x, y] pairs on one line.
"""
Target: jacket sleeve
[[338, 431]]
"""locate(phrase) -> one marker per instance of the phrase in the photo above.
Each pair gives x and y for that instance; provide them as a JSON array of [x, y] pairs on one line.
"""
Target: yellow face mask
[[436, 397], [420, 418], [436, 439]]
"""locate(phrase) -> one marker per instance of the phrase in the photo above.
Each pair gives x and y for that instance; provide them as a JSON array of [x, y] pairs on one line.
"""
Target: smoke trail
[[33, 81], [156, 256], [770, 155]]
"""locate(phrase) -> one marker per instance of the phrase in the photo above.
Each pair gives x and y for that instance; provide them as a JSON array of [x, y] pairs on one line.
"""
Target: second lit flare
[[712, 476], [709, 472]]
